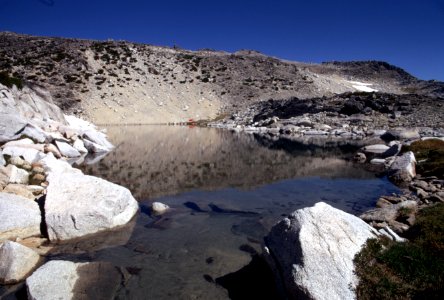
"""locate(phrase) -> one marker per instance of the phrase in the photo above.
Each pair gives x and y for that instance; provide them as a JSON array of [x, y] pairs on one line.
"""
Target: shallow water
[[226, 190]]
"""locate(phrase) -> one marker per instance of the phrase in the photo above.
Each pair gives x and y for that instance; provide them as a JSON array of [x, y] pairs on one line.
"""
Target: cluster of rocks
[[45, 201], [324, 124], [311, 251], [397, 212], [358, 116]]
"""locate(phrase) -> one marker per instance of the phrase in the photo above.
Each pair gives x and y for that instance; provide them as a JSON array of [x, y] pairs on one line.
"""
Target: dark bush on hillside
[[430, 157], [9, 81]]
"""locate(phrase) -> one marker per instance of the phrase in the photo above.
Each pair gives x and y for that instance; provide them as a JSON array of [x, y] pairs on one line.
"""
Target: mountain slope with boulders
[[123, 82]]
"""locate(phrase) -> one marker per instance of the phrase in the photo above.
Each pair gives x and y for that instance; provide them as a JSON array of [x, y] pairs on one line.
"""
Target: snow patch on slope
[[362, 87]]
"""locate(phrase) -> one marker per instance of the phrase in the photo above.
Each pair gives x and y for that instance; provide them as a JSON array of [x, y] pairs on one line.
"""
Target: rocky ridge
[[123, 82]]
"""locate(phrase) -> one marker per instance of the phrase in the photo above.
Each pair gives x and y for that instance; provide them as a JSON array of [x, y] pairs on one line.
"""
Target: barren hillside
[[123, 82]]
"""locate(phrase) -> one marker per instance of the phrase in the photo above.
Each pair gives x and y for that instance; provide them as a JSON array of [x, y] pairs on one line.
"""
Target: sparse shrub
[[430, 156], [410, 270], [60, 56], [9, 81]]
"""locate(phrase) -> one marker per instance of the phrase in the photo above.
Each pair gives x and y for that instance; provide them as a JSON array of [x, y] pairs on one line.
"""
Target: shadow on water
[[254, 281]]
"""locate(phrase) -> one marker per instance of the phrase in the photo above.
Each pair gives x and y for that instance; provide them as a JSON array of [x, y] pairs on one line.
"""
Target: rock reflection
[[154, 161]]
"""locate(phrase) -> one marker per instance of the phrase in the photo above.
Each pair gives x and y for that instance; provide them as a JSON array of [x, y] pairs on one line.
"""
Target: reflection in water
[[225, 191], [153, 161]]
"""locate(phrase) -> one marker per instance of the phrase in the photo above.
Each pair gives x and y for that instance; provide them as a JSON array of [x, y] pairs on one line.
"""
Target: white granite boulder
[[19, 217], [54, 166], [29, 154], [16, 175], [94, 148], [67, 150], [403, 168], [10, 126], [60, 279], [98, 138], [80, 146], [78, 205], [375, 149], [159, 208], [16, 262], [312, 252]]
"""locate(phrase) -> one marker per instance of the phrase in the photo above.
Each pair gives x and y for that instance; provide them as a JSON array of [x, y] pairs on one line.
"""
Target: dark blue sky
[[406, 33]]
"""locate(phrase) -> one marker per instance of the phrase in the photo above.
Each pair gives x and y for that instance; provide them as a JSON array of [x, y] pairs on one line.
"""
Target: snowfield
[[362, 87]]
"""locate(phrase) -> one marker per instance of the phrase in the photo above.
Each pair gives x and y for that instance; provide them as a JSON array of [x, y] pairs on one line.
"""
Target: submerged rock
[[19, 217], [60, 279], [77, 205], [16, 262], [312, 252]]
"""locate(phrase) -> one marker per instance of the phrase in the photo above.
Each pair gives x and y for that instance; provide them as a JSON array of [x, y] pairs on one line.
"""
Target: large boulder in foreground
[[312, 250], [60, 279], [78, 205], [19, 217], [16, 262]]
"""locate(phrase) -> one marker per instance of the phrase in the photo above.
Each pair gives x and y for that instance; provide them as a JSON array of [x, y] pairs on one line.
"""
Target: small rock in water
[[360, 157], [159, 208], [248, 249], [193, 206]]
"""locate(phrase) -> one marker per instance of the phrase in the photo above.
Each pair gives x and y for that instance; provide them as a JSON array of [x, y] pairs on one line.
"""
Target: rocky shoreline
[[311, 252], [46, 205], [386, 127]]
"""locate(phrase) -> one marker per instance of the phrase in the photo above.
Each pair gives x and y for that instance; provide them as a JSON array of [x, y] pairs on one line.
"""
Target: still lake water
[[226, 190]]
